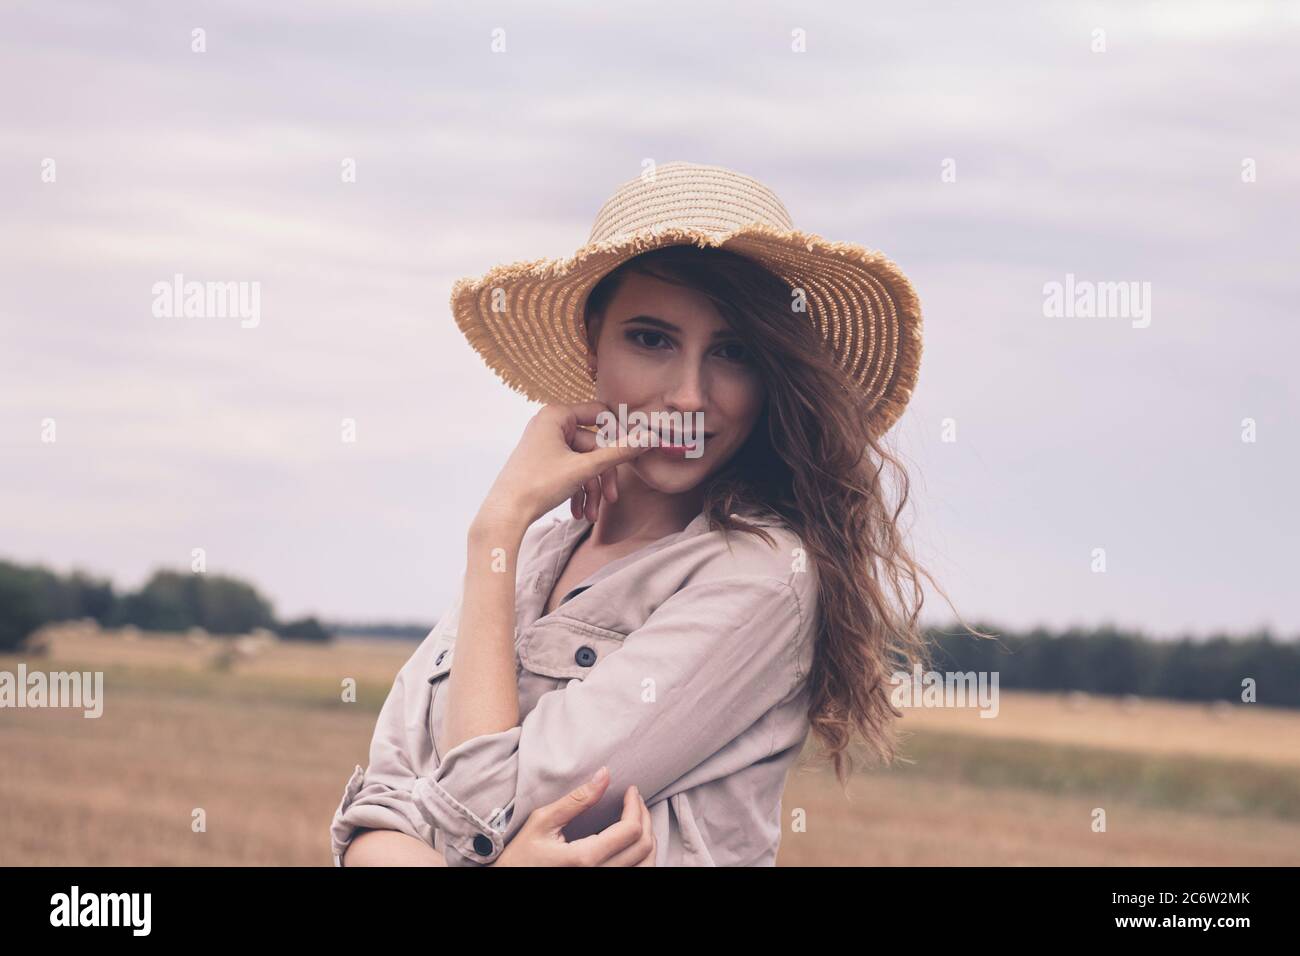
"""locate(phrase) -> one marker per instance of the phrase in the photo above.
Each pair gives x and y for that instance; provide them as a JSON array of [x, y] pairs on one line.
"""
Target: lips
[[665, 441]]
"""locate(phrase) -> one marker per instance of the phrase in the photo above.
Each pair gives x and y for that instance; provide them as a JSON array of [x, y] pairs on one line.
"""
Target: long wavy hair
[[812, 463]]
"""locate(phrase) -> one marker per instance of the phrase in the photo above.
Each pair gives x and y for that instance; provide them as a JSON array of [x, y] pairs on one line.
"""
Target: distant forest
[[409, 632], [1115, 662], [31, 597], [1102, 660]]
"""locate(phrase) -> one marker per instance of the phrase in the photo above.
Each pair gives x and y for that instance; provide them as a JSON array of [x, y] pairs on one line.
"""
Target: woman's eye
[[639, 336], [733, 351]]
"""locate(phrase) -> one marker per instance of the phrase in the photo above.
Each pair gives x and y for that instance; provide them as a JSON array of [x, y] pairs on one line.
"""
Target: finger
[[592, 486], [649, 859], [559, 812], [632, 814], [588, 413], [614, 845], [610, 843], [609, 485], [570, 419], [647, 834], [575, 421], [575, 504], [603, 458], [594, 850], [585, 440]]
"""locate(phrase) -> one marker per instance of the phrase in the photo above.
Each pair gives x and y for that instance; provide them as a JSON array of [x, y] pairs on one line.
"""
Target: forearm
[[390, 848], [483, 697]]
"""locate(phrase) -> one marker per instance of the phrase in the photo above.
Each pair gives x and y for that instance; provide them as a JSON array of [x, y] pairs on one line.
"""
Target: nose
[[685, 393]]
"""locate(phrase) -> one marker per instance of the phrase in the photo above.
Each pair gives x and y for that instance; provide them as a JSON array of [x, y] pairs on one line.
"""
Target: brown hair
[[811, 462]]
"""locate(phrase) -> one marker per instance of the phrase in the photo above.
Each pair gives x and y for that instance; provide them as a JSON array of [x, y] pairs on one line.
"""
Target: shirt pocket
[[566, 649]]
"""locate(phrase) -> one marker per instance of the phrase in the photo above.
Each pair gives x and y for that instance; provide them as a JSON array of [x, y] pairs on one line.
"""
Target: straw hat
[[526, 318]]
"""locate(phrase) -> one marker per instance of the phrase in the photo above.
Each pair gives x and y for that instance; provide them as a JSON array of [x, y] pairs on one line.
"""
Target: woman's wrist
[[499, 523]]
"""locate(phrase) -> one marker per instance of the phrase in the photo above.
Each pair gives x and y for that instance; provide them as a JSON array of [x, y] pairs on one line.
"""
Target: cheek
[[619, 379], [739, 403]]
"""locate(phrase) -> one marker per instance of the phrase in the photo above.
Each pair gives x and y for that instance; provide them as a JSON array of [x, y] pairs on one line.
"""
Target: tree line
[[1113, 662], [1105, 661], [33, 596]]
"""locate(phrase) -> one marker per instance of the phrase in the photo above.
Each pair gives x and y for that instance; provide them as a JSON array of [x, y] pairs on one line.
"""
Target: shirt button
[[482, 845], [586, 656]]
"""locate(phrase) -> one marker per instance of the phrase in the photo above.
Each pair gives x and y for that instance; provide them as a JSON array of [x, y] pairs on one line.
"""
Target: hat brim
[[526, 319]]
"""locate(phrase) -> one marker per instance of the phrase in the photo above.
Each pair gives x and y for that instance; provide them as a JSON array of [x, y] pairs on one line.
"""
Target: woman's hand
[[541, 842], [554, 460]]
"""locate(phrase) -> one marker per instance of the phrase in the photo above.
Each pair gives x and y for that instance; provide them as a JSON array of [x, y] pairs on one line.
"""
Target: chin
[[671, 477]]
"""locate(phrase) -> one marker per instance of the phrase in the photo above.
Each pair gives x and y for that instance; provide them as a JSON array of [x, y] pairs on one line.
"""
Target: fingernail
[[595, 777]]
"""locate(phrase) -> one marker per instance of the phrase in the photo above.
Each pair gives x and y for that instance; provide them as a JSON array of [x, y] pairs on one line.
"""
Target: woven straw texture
[[525, 318]]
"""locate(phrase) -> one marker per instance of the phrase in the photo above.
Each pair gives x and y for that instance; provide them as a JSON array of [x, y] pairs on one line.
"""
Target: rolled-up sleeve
[[705, 666], [381, 796]]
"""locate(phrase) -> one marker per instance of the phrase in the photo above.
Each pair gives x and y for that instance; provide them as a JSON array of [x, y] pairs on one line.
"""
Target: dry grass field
[[263, 744]]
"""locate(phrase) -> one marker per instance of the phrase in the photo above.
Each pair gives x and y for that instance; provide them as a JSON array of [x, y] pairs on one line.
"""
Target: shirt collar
[[554, 547]]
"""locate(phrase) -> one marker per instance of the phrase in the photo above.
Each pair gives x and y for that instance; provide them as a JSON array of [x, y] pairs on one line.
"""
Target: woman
[[716, 595]]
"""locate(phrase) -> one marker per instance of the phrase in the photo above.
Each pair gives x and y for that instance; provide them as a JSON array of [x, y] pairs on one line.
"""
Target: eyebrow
[[669, 327]]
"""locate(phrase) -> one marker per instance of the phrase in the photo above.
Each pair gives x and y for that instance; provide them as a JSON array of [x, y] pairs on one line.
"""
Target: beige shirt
[[681, 666]]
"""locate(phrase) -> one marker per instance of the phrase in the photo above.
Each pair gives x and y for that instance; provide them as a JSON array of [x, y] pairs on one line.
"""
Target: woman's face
[[665, 348]]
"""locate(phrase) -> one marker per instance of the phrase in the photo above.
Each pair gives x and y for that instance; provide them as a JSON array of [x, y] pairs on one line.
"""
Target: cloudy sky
[[1170, 157]]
